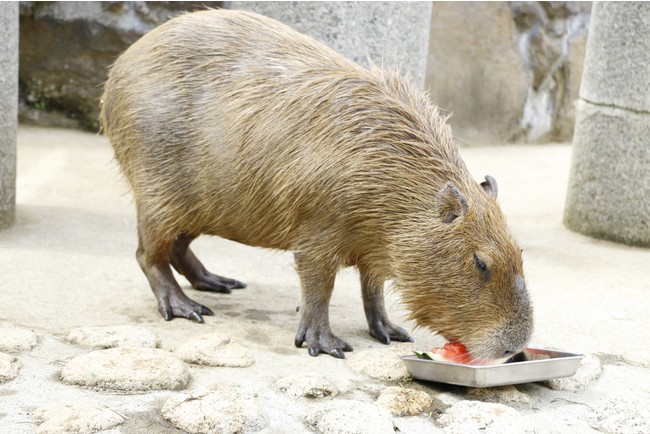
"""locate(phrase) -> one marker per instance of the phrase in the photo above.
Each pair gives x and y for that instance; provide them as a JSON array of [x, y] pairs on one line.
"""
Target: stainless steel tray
[[540, 365]]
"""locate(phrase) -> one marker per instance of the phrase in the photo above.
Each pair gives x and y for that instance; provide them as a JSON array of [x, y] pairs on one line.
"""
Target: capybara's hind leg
[[186, 263], [153, 257], [317, 285], [372, 290]]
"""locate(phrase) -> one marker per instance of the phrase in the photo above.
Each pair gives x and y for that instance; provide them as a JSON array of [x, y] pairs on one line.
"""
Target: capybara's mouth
[[458, 352]]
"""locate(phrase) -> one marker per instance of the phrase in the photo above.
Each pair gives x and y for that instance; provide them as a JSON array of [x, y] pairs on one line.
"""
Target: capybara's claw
[[385, 331], [321, 340], [181, 306], [195, 316], [214, 283]]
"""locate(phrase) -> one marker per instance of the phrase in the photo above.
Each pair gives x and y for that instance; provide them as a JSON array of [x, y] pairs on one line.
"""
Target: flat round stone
[[9, 367], [128, 369], [215, 349], [114, 336], [223, 409], [16, 339], [77, 417]]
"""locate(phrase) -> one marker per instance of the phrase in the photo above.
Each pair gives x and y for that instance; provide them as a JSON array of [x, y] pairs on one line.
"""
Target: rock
[[214, 350], [9, 367], [401, 401], [383, 364], [81, 417], [306, 385], [350, 417], [622, 416], [128, 369], [114, 336], [66, 50], [589, 371], [473, 57], [223, 409], [608, 195], [467, 417], [505, 395], [16, 340]]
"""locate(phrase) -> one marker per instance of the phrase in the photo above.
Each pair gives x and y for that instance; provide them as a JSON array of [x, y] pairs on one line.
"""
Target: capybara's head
[[465, 279]]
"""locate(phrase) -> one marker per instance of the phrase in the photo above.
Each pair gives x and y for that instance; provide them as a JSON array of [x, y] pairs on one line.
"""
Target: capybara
[[229, 123]]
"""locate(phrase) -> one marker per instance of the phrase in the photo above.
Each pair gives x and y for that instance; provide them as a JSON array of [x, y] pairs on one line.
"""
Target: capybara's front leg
[[186, 263], [153, 257], [317, 280], [372, 290]]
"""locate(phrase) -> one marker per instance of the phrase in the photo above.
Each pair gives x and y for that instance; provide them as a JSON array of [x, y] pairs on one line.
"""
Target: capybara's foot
[[211, 282], [320, 339], [385, 331], [177, 304]]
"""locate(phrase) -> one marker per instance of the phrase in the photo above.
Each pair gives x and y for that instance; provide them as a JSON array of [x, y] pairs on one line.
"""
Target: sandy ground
[[69, 262]]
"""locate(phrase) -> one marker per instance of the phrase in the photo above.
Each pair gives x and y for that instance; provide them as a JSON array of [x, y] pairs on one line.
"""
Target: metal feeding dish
[[539, 365]]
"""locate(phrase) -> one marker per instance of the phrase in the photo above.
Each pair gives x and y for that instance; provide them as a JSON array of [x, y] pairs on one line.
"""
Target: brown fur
[[231, 124]]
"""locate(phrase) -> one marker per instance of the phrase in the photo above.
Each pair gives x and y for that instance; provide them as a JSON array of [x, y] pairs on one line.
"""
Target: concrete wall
[[389, 33], [509, 72], [609, 188], [8, 110]]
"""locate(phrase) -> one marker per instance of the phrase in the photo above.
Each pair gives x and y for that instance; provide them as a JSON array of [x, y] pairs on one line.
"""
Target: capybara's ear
[[451, 203], [490, 186]]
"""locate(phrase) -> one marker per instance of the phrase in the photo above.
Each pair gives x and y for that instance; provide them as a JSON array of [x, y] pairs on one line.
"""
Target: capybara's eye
[[481, 266]]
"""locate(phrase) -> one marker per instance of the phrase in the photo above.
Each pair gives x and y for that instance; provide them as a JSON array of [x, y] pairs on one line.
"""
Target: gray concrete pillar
[[609, 187], [8, 110], [387, 32]]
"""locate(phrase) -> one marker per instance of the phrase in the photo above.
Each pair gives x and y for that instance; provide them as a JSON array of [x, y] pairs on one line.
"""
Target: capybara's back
[[231, 124]]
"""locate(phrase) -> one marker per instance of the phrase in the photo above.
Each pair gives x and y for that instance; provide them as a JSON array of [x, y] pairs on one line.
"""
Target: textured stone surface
[[67, 47], [113, 336], [307, 385], [224, 409], [609, 187], [16, 339], [618, 56], [9, 367], [8, 110], [214, 350], [388, 33], [350, 417], [504, 395], [402, 401], [482, 417], [384, 364], [475, 69], [622, 416], [82, 417], [589, 371], [126, 369], [507, 71]]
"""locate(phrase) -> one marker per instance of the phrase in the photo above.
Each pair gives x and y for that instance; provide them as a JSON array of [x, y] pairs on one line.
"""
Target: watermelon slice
[[451, 352]]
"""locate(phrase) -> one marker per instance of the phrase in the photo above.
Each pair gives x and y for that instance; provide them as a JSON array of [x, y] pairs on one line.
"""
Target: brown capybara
[[229, 123]]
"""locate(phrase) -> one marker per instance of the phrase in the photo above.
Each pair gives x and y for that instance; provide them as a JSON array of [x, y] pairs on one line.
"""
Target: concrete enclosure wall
[[388, 33], [609, 187], [8, 110], [509, 72]]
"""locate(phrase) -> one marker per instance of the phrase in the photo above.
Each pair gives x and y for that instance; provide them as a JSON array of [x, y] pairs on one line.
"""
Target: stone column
[[8, 110], [389, 33], [609, 187]]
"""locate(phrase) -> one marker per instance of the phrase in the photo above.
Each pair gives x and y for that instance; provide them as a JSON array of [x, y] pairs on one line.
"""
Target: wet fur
[[231, 124]]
